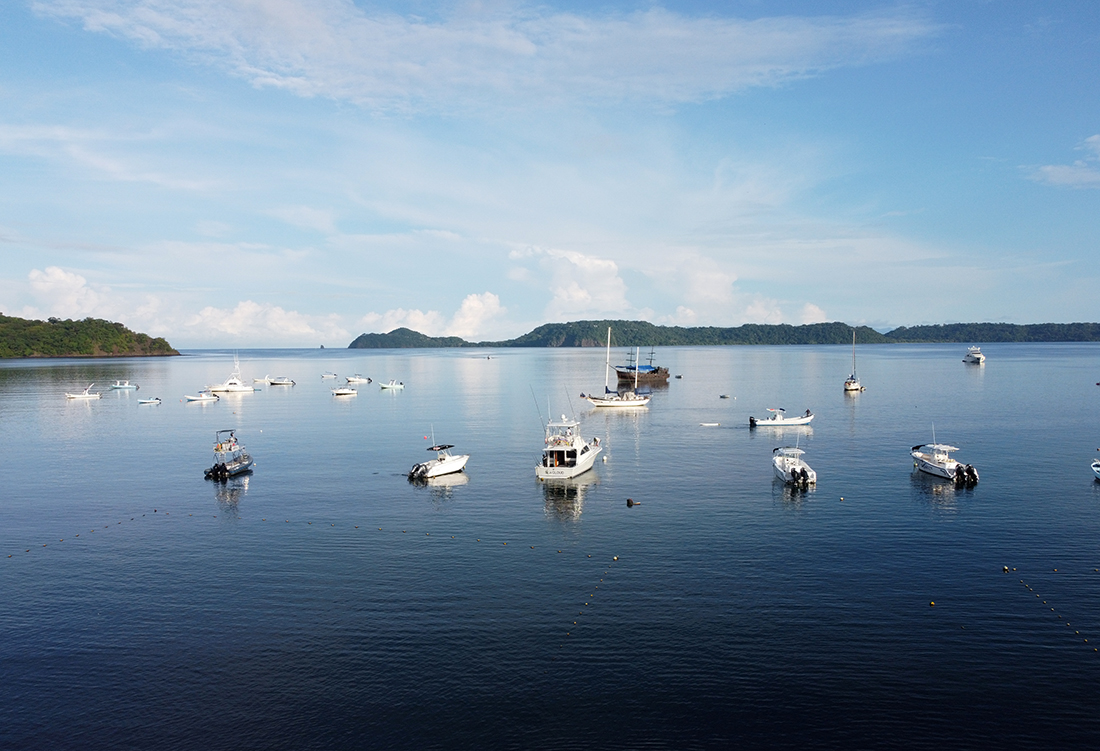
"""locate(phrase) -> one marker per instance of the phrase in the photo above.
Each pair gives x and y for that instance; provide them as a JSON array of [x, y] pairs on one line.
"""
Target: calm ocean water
[[324, 602]]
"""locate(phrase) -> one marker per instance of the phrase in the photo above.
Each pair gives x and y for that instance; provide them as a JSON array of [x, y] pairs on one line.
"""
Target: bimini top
[[935, 448], [441, 447], [788, 451], [565, 422]]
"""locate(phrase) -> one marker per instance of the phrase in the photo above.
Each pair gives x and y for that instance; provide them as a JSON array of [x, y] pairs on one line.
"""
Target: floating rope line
[[1076, 632]]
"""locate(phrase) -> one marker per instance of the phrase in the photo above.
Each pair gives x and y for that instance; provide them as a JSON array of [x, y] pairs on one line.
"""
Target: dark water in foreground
[[325, 602]]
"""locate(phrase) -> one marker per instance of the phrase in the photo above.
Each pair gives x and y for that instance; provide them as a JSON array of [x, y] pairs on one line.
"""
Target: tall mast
[[853, 351], [637, 352], [607, 364]]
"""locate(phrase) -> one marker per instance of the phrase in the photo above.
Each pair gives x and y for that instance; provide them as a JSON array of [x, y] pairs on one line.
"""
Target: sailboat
[[852, 384], [613, 398]]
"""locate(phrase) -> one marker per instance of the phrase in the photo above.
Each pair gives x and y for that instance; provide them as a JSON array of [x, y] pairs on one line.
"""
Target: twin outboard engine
[[418, 472], [966, 475], [218, 472]]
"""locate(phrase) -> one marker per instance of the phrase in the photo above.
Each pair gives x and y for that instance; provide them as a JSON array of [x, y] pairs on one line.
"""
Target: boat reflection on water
[[940, 492], [441, 488], [791, 495], [227, 495], [564, 499]]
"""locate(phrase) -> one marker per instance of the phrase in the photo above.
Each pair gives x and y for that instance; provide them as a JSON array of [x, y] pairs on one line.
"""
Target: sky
[[296, 172]]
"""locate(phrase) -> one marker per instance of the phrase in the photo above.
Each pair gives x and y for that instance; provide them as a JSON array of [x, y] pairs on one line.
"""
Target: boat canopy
[[788, 451], [441, 447], [936, 448]]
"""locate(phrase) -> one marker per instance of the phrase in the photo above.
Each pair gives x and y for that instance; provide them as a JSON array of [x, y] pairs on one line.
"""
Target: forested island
[[90, 337], [643, 334]]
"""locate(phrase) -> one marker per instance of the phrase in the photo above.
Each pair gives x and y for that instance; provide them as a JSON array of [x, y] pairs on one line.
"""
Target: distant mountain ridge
[[644, 334], [91, 337]]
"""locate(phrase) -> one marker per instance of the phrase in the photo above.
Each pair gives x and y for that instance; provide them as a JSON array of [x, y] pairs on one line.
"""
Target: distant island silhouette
[[644, 334], [90, 337]]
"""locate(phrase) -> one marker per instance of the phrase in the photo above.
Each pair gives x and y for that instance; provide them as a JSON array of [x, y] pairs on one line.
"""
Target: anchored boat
[[85, 394], [635, 371], [230, 458], [789, 467], [614, 398], [124, 386], [974, 356], [852, 384], [935, 459], [565, 454], [778, 419], [444, 463], [233, 384]]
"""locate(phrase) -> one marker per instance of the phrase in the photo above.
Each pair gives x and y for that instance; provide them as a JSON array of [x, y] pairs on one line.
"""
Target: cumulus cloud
[[1083, 173], [65, 294], [264, 324], [470, 321], [582, 285], [812, 314], [337, 49]]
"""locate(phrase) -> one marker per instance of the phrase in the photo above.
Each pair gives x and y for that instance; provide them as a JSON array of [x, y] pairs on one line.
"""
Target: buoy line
[[589, 601], [1076, 632]]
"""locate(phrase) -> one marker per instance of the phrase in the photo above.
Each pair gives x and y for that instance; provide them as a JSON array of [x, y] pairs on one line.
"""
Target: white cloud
[[471, 320], [306, 217], [260, 324], [65, 294], [812, 314], [336, 49], [1083, 173]]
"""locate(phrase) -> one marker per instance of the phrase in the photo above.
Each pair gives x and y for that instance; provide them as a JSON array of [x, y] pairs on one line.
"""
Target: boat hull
[[618, 402], [1096, 469], [784, 469], [780, 423], [657, 375], [584, 463], [439, 467]]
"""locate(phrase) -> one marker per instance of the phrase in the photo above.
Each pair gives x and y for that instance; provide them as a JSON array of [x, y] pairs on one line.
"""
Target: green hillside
[[998, 332], [91, 337], [404, 338]]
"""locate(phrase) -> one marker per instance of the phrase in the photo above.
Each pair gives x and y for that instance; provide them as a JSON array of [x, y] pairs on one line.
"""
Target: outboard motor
[[971, 475], [752, 422], [960, 474], [418, 471]]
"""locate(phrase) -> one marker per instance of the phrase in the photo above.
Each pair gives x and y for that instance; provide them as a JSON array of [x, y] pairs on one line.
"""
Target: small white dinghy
[[789, 467], [280, 381], [328, 375], [358, 379], [344, 391], [202, 396], [393, 385], [124, 386], [778, 418], [154, 400], [1096, 467], [935, 459], [85, 394], [444, 463]]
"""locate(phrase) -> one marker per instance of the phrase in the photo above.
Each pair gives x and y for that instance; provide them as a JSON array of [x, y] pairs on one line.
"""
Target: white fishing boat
[[328, 375], [788, 465], [935, 459], [615, 398], [230, 458], [852, 383], [359, 379], [202, 396], [778, 419], [154, 400], [444, 463], [85, 394], [393, 385], [233, 384], [124, 386], [565, 454], [344, 391], [974, 356]]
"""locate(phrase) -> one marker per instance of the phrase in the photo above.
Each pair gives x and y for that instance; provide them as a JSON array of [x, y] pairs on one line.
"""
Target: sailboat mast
[[637, 352], [607, 364], [853, 351]]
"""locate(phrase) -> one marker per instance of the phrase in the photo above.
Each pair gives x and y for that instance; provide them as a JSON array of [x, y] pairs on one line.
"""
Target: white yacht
[[124, 386], [974, 356], [85, 394], [444, 463], [853, 384], [789, 467], [565, 454], [358, 379], [233, 384], [230, 458], [935, 459], [778, 419], [614, 398]]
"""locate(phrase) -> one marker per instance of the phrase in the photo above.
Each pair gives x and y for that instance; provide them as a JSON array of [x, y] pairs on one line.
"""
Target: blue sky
[[295, 173]]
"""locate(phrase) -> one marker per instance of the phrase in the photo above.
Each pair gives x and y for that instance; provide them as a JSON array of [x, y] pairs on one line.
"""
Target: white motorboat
[[85, 394], [1096, 467], [280, 381], [230, 458], [565, 454], [974, 356], [202, 396], [935, 459], [124, 386], [788, 465], [852, 383], [154, 400], [358, 379], [393, 385], [266, 380], [614, 398], [778, 419], [328, 375], [233, 384], [444, 463], [344, 391]]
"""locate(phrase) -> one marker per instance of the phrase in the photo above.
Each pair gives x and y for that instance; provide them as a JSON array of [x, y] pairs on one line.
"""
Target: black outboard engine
[[960, 474], [971, 475], [752, 422], [418, 471]]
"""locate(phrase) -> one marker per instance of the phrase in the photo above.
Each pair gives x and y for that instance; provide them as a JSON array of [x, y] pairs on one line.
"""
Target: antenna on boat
[[933, 432], [537, 409], [570, 400], [607, 364]]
